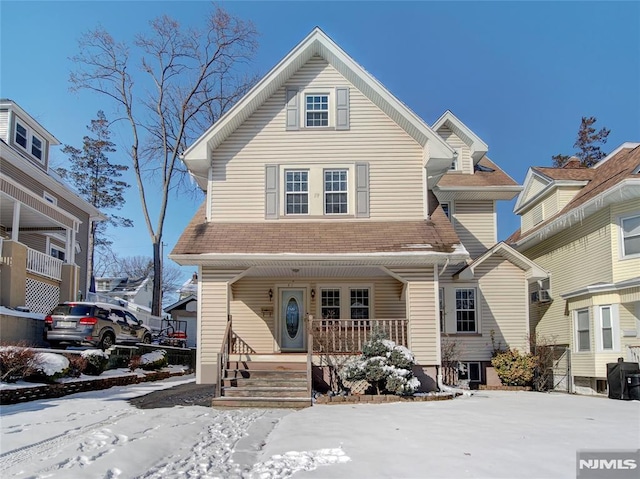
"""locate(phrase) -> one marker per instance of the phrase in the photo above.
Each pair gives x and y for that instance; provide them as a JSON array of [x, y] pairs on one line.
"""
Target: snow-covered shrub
[[77, 365], [97, 361], [513, 368], [50, 368], [16, 362], [385, 365], [154, 360]]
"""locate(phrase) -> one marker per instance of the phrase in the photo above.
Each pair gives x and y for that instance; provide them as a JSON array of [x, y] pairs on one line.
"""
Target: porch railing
[[347, 336], [44, 264], [223, 356], [633, 354]]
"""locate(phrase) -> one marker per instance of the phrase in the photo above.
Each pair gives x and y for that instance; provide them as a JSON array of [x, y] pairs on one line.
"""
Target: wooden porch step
[[268, 365], [274, 381], [264, 374], [261, 402], [269, 358], [264, 391]]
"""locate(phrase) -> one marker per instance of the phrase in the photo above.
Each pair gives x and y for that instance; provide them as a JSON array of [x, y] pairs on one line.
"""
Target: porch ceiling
[[29, 218], [294, 272]]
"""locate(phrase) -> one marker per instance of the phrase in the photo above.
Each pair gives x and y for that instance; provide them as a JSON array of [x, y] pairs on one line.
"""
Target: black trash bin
[[617, 374], [633, 386]]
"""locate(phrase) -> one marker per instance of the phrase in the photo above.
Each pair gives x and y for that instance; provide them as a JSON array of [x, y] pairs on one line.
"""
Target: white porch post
[[68, 247], [15, 227]]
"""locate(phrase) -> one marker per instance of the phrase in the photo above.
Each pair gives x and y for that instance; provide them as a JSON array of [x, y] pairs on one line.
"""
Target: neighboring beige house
[[583, 226], [44, 225], [328, 198]]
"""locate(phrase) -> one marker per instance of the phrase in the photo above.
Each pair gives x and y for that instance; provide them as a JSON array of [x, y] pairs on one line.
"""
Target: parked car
[[95, 324]]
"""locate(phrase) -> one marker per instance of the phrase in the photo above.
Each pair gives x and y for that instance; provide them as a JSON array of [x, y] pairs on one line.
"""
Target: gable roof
[[478, 147], [535, 272], [614, 181], [180, 302], [486, 174], [197, 158]]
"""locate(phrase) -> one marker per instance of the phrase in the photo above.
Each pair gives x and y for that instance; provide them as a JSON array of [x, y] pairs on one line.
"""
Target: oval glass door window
[[293, 318]]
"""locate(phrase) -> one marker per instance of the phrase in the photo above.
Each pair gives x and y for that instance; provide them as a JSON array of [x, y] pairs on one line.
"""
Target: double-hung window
[[21, 135], [606, 323], [630, 232], [297, 192], [335, 192], [583, 335], [466, 310], [317, 110], [359, 303], [29, 141], [330, 303]]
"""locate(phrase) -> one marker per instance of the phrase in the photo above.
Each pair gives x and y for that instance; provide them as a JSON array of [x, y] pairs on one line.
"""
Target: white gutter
[[603, 288], [626, 189]]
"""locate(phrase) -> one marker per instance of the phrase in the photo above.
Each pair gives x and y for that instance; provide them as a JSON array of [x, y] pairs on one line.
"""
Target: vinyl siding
[[566, 194], [4, 125], [465, 164], [34, 241], [395, 159], [214, 299], [262, 334], [576, 257], [623, 269], [501, 307], [474, 224], [38, 189], [422, 307]]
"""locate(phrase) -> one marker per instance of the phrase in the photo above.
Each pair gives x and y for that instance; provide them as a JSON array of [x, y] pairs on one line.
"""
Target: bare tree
[[189, 77], [587, 143]]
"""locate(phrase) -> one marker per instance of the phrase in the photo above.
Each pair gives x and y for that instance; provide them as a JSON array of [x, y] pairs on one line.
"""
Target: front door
[[292, 319]]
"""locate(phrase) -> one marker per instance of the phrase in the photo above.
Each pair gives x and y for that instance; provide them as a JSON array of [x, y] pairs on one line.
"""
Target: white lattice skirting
[[41, 297]]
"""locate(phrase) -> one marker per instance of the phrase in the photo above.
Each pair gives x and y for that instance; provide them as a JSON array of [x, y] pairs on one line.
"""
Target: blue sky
[[520, 74]]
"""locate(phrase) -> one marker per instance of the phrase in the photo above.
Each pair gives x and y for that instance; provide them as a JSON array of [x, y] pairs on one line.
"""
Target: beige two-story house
[[44, 225], [328, 198], [583, 226]]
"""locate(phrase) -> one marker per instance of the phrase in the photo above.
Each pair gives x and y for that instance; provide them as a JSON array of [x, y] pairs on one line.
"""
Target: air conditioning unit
[[535, 297], [544, 296]]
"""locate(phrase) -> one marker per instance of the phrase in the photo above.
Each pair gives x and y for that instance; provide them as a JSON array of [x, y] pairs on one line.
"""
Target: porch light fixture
[[270, 294], [313, 294]]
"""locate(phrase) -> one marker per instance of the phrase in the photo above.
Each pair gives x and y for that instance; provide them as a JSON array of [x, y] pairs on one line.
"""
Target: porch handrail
[[223, 356], [310, 355], [349, 335], [633, 353], [44, 264]]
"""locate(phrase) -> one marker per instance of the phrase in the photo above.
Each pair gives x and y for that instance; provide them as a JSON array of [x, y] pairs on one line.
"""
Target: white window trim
[[615, 328], [345, 298], [442, 310], [50, 198], [51, 246], [476, 303], [621, 254], [286, 193], [576, 344], [30, 135], [316, 189], [330, 103], [467, 364], [325, 192], [449, 210]]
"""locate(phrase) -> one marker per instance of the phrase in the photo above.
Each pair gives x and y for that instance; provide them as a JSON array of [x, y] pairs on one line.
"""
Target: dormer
[[468, 146], [24, 134], [548, 190]]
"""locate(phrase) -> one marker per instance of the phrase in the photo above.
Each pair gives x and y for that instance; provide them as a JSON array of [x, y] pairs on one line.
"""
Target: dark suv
[[95, 324]]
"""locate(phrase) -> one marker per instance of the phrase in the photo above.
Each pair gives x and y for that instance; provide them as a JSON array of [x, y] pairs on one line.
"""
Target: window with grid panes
[[335, 192], [317, 110], [466, 310], [297, 192], [359, 304], [330, 303]]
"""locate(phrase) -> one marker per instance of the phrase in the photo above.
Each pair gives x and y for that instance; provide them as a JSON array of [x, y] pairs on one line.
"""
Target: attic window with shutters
[[317, 110], [537, 214]]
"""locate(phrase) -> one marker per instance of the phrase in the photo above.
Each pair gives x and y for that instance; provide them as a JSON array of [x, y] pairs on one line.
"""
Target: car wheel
[[146, 339], [107, 341]]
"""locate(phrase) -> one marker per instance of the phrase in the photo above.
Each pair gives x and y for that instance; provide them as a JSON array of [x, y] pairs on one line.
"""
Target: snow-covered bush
[[385, 365], [513, 368], [97, 361], [77, 365], [16, 362], [50, 368], [154, 360]]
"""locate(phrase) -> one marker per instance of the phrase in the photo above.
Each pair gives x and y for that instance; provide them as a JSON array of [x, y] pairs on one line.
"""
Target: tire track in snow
[[11, 458]]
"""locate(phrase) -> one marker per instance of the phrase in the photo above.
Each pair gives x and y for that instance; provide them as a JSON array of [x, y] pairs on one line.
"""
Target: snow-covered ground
[[491, 434]]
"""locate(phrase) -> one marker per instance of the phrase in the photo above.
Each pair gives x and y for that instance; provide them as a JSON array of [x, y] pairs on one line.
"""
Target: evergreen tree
[[96, 180], [587, 143]]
